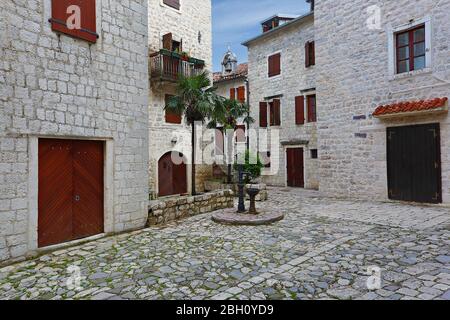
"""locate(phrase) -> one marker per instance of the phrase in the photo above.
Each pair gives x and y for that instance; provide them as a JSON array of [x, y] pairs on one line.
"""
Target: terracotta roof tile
[[242, 71], [410, 106]]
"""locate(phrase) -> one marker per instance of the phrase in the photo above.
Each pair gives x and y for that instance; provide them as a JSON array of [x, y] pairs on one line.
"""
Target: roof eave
[[265, 34]]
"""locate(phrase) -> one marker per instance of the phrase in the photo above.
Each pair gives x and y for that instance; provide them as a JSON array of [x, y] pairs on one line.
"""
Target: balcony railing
[[169, 66]]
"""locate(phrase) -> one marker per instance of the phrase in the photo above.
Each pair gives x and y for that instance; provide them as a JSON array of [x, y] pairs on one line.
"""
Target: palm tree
[[226, 114], [195, 99]]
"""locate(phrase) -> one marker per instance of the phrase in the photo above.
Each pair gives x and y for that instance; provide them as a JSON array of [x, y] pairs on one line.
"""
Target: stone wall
[[170, 209], [194, 17], [294, 78], [54, 85], [354, 77]]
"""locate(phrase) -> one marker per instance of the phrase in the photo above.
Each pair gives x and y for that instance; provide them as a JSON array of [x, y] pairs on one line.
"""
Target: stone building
[[383, 79], [282, 98], [74, 122], [180, 42]]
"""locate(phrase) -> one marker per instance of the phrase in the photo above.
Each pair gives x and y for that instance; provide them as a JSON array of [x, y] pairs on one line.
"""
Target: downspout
[[247, 90]]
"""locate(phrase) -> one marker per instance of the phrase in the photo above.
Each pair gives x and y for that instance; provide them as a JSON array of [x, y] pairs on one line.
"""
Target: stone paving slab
[[323, 249]]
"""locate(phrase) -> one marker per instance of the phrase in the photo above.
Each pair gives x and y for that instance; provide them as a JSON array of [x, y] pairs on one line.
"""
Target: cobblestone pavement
[[322, 250]]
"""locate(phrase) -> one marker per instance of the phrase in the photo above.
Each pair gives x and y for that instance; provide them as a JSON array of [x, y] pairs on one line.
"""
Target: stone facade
[[294, 80], [355, 74], [191, 25], [52, 85], [170, 209]]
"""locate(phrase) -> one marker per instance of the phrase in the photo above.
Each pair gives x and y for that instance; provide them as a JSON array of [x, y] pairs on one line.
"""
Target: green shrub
[[253, 166]]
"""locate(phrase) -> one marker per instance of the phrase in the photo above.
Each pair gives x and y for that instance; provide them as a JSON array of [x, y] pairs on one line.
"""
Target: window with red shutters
[[263, 114], [274, 62], [232, 94], [312, 113], [275, 113], [411, 50], [76, 18], [170, 116], [310, 55], [172, 3], [299, 110], [241, 94]]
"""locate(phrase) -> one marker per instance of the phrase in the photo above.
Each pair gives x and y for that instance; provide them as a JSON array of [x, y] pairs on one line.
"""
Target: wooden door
[[172, 178], [414, 163], [295, 167], [70, 196]]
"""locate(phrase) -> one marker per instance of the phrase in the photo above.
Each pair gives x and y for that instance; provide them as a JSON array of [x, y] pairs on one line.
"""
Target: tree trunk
[[193, 159], [229, 180]]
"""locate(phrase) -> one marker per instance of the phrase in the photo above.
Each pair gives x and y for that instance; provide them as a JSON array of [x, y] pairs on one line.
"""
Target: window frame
[[308, 98], [411, 49], [392, 50], [167, 114], [171, 7]]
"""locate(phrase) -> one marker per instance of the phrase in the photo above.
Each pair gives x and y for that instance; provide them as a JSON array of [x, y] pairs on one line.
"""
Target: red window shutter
[[274, 65], [172, 3], [276, 112], [88, 25], [167, 41], [299, 110], [232, 94], [312, 116], [313, 53], [169, 116], [241, 94], [263, 114], [240, 133], [307, 59]]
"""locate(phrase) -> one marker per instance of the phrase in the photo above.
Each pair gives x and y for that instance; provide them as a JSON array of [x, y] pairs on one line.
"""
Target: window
[[314, 154], [240, 133], [263, 114], [312, 114], [275, 113], [300, 110], [75, 18], [170, 116], [170, 44], [310, 55], [411, 50], [172, 3], [274, 62]]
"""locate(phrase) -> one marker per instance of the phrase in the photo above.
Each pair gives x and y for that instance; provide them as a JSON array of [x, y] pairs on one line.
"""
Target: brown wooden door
[[414, 163], [295, 176], [70, 200], [172, 178]]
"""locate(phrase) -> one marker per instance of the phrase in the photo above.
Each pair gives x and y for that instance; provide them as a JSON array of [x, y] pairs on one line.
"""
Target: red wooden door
[[295, 168], [172, 177], [70, 200]]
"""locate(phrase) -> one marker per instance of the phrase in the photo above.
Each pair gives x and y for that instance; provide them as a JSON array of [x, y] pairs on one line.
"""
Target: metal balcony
[[169, 66]]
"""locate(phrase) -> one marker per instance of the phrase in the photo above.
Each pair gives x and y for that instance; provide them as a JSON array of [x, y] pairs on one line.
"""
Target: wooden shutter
[[232, 94], [307, 58], [263, 114], [219, 139], [312, 117], [274, 65], [276, 112], [87, 17], [170, 116], [299, 110], [313, 53], [241, 94], [172, 3], [167, 41], [240, 133]]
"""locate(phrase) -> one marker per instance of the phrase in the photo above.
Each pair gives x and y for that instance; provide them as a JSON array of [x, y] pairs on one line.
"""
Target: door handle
[[77, 198]]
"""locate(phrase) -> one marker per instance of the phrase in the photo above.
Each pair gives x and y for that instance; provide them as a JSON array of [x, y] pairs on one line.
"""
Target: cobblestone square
[[323, 249]]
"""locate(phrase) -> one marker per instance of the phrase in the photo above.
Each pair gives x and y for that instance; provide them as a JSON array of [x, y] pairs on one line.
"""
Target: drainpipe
[[247, 90]]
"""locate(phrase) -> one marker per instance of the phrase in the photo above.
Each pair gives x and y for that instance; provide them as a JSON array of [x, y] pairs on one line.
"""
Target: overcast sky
[[235, 21]]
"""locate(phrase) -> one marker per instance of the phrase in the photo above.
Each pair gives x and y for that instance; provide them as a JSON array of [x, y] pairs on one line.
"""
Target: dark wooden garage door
[[70, 190], [172, 176], [295, 176], [414, 163]]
